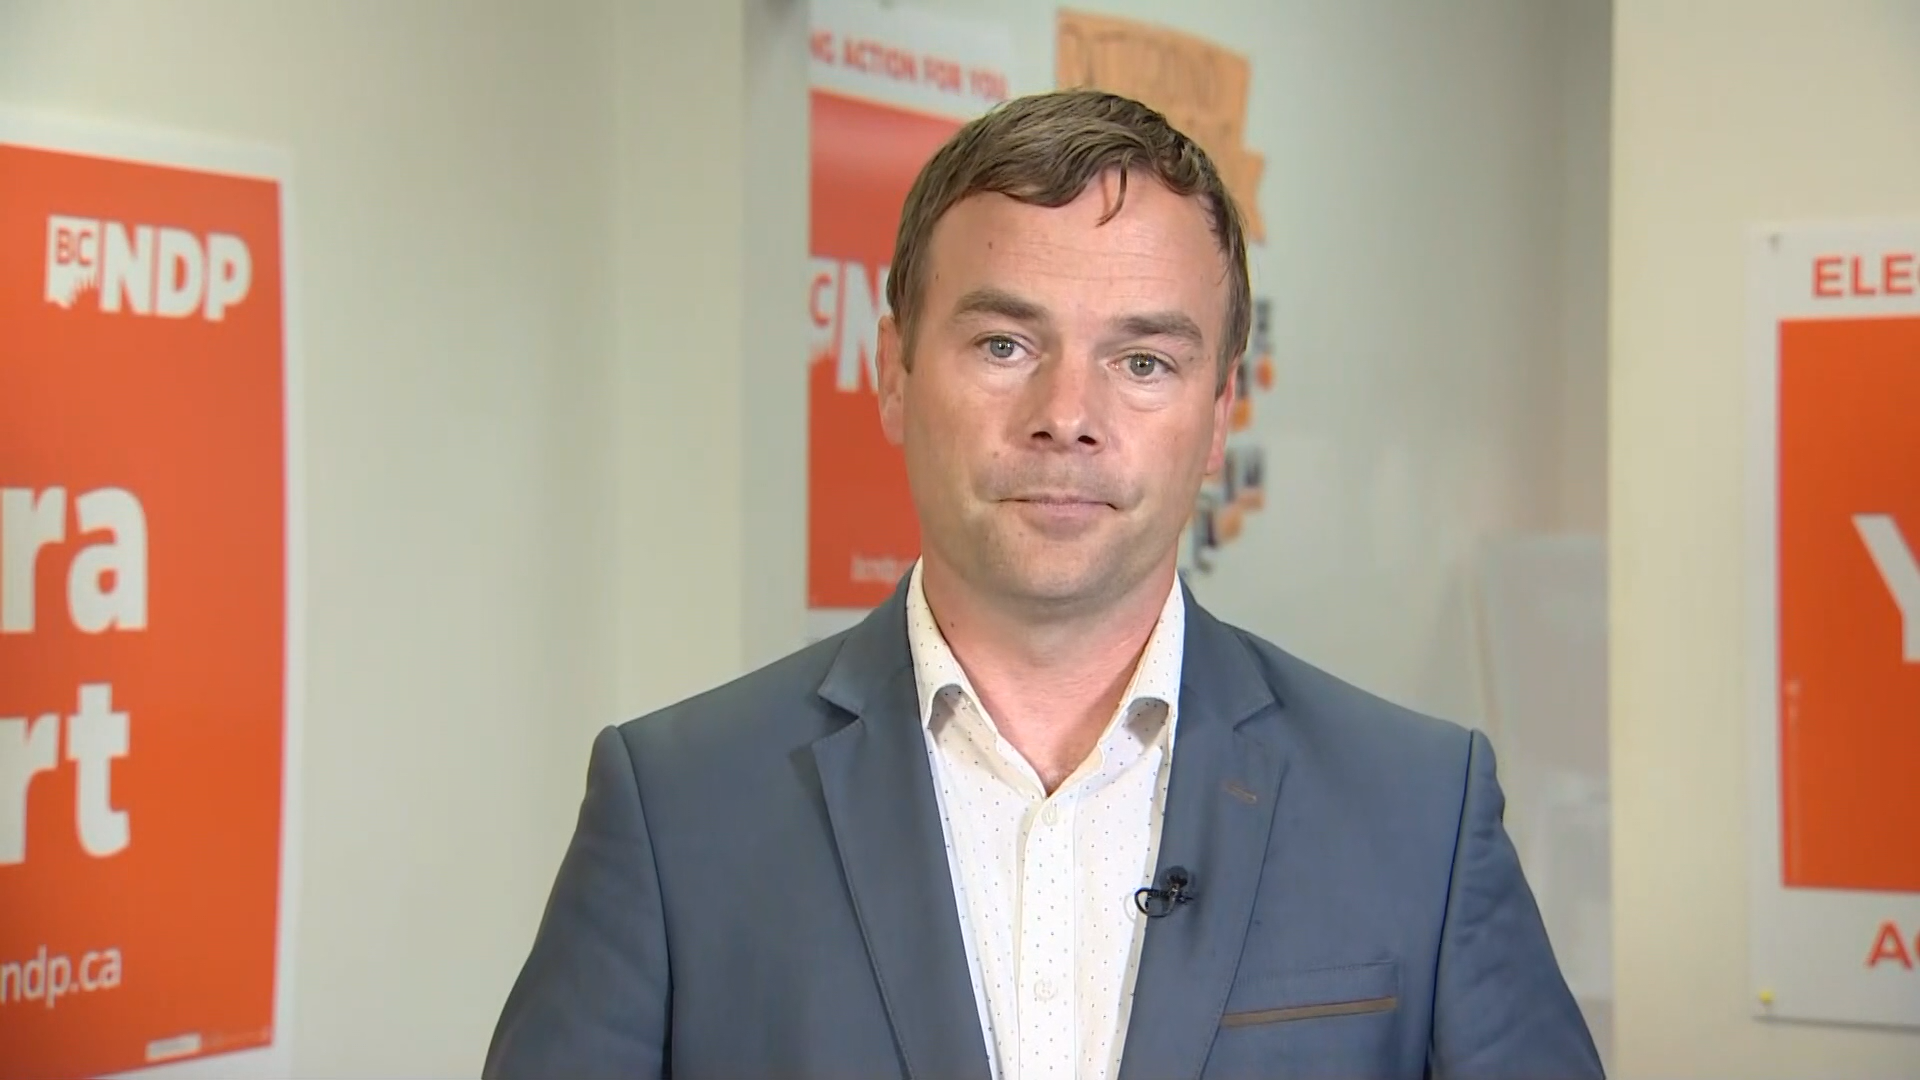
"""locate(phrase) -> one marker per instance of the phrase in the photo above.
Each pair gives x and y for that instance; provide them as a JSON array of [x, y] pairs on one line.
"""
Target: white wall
[[1586, 80], [683, 288], [773, 549], [1725, 113], [518, 277]]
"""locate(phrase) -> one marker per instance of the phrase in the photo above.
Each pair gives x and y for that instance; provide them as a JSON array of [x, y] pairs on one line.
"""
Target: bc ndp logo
[[154, 271]]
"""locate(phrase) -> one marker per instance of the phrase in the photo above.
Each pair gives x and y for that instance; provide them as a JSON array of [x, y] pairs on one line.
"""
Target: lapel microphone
[[1176, 888]]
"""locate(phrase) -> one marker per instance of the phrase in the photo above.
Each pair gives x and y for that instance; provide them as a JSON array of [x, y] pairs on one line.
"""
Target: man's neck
[[1050, 684]]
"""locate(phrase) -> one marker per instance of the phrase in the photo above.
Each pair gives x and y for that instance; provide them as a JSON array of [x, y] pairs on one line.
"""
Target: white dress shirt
[[1045, 883]]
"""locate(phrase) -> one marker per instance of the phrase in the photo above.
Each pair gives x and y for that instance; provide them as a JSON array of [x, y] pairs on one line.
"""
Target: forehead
[[1158, 249]]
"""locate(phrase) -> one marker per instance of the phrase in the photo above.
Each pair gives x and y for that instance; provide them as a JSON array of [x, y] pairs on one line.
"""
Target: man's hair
[[1044, 149]]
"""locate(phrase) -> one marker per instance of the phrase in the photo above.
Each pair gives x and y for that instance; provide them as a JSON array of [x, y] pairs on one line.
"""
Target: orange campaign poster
[[146, 590], [889, 85], [1835, 584]]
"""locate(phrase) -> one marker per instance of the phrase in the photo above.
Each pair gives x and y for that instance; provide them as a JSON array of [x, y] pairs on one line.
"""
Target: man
[[1040, 815]]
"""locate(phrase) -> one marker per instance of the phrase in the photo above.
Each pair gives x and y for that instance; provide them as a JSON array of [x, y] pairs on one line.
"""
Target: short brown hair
[[1044, 149]]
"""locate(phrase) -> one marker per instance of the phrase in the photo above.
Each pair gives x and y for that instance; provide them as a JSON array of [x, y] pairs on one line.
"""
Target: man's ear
[[1223, 403], [892, 364]]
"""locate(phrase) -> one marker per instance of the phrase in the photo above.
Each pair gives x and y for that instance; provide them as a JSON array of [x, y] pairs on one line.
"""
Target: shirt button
[[1051, 815], [1043, 990]]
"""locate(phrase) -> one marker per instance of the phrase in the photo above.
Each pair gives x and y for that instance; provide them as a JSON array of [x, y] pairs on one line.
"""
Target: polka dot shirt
[[1045, 883]]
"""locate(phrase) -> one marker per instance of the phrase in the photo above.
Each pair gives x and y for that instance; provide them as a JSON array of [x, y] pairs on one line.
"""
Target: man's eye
[[1143, 366], [1002, 348]]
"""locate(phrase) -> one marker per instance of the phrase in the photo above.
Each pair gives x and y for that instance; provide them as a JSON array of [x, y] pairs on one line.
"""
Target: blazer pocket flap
[[1351, 990]]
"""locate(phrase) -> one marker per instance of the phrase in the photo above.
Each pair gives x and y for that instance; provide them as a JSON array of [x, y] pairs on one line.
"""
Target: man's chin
[[1056, 579]]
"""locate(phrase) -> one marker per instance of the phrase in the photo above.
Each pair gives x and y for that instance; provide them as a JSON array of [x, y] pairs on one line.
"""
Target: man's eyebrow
[[1167, 324], [992, 301], [989, 300]]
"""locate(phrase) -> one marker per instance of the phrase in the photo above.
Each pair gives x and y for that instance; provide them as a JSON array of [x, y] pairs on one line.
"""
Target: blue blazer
[[757, 886]]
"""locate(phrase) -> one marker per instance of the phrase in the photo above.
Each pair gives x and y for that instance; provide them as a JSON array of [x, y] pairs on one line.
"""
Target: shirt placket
[[1048, 1020]]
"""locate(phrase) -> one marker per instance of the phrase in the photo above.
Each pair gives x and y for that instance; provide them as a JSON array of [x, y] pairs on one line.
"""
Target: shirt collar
[[1155, 678]]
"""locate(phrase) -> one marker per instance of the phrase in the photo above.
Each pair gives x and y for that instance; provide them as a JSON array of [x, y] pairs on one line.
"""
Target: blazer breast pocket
[[1313, 994], [1338, 1021]]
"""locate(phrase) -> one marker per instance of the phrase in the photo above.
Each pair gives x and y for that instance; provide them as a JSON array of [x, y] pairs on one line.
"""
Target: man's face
[[1061, 409]]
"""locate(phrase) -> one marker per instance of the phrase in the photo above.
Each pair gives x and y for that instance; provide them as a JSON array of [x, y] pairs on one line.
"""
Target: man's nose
[[1067, 404]]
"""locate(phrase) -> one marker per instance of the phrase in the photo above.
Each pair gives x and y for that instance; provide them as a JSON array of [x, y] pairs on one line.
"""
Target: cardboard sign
[[1200, 87]]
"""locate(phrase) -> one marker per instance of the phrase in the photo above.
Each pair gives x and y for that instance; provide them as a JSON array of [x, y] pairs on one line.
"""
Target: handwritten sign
[[1201, 87]]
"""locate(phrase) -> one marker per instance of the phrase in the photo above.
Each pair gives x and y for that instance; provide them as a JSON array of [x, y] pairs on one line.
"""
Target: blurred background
[[549, 263]]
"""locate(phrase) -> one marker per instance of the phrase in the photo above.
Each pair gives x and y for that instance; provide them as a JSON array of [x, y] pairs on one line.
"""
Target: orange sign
[[1200, 87], [889, 87], [1849, 536], [861, 530], [143, 614], [1833, 609]]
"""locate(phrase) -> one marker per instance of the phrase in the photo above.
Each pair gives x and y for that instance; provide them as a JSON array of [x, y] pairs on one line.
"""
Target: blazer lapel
[[1217, 823], [886, 823]]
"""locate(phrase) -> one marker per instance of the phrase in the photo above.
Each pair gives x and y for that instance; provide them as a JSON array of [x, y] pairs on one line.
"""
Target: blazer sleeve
[[592, 998], [1502, 1009]]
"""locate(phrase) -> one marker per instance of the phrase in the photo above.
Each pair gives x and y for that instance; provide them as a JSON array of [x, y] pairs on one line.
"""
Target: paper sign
[[1835, 585], [145, 725], [889, 87]]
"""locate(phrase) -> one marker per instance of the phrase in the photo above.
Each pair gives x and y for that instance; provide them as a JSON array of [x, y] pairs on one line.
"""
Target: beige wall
[[1726, 112]]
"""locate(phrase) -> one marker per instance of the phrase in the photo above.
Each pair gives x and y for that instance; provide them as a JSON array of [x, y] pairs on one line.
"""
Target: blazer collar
[[1219, 677], [872, 652], [878, 787], [877, 784]]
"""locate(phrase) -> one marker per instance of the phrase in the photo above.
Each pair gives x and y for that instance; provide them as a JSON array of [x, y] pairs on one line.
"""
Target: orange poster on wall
[[1836, 584], [889, 86], [145, 728], [1850, 603]]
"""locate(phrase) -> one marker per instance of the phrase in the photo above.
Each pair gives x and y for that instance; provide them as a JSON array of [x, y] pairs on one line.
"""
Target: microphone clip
[[1176, 888]]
